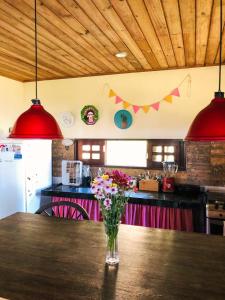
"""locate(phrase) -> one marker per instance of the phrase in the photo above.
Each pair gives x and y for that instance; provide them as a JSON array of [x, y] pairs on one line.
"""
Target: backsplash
[[205, 163]]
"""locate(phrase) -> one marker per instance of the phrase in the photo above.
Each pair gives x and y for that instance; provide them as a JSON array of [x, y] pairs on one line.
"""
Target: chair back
[[63, 209]]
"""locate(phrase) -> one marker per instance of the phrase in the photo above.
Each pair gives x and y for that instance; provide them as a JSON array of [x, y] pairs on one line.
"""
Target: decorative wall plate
[[67, 143], [123, 119], [89, 114], [66, 119]]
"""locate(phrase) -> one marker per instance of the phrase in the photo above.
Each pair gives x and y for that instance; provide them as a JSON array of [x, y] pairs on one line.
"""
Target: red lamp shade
[[209, 124], [36, 123]]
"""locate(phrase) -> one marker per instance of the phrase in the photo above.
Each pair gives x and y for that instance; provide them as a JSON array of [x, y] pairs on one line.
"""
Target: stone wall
[[205, 163]]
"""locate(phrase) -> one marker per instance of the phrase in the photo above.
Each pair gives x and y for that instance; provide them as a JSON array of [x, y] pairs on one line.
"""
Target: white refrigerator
[[25, 169]]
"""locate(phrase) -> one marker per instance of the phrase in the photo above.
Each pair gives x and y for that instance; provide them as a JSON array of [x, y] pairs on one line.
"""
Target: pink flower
[[108, 189], [114, 190], [94, 188], [98, 178], [107, 202], [121, 179], [99, 195], [109, 181]]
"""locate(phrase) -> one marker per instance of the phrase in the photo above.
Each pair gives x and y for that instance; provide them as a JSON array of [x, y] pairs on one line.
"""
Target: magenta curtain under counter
[[142, 215]]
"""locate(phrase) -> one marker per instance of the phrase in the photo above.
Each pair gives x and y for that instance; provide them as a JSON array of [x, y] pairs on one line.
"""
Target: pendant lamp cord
[[220, 53], [36, 58]]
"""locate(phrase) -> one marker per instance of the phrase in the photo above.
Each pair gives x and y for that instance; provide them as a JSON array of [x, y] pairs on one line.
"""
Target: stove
[[215, 213]]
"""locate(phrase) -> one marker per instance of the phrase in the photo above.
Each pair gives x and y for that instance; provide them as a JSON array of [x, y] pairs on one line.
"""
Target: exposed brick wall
[[198, 162], [217, 161], [59, 153], [205, 163]]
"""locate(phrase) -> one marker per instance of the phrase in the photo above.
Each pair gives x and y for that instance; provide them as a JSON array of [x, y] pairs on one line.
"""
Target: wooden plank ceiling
[[80, 37]]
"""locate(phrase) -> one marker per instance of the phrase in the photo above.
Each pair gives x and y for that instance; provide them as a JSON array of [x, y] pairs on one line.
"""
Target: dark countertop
[[179, 199]]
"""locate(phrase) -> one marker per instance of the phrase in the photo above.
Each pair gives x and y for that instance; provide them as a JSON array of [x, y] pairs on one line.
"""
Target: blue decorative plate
[[123, 119]]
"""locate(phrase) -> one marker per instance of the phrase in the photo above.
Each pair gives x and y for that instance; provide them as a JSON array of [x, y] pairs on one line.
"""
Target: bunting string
[[155, 105]]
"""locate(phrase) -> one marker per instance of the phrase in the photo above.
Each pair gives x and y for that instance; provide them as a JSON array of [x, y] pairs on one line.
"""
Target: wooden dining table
[[51, 258]]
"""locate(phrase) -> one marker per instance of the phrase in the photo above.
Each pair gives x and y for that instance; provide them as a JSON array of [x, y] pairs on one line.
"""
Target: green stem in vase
[[112, 235]]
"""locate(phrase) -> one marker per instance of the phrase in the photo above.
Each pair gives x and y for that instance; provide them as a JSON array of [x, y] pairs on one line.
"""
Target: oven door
[[215, 226]]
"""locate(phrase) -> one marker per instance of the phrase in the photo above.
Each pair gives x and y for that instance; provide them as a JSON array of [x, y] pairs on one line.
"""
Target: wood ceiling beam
[[72, 15], [214, 34], [28, 41], [114, 20], [45, 61], [26, 68], [157, 16], [97, 32], [123, 10], [11, 72], [101, 52], [48, 32], [187, 12], [223, 48], [77, 35], [95, 15], [172, 15], [81, 37], [216, 60], [24, 55], [141, 14], [203, 17]]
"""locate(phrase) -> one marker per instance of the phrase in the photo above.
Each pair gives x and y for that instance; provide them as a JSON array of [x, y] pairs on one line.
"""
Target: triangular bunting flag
[[175, 92], [136, 108], [156, 105], [145, 108], [112, 93], [126, 104], [118, 100], [168, 98]]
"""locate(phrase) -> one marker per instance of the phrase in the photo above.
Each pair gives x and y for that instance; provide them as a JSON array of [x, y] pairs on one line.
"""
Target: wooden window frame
[[180, 157], [179, 153], [93, 162]]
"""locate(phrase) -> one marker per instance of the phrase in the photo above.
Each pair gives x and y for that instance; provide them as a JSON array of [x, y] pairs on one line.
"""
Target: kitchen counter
[[184, 199]]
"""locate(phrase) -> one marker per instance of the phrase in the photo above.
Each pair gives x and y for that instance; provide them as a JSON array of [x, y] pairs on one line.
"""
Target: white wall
[[12, 103], [171, 121]]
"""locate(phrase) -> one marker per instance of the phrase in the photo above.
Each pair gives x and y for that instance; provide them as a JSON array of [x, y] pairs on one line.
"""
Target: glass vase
[[112, 254]]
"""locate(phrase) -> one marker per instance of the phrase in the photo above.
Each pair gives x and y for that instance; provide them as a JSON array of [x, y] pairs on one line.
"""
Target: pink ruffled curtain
[[91, 206], [140, 215], [158, 217]]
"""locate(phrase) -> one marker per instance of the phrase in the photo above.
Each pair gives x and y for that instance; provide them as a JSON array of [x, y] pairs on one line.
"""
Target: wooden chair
[[63, 209]]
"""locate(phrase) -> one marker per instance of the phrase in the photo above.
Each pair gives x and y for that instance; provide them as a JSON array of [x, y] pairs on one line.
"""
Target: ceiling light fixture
[[121, 54], [209, 124], [36, 122]]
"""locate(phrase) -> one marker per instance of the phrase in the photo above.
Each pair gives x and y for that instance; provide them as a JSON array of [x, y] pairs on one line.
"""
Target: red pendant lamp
[[36, 122], [209, 124]]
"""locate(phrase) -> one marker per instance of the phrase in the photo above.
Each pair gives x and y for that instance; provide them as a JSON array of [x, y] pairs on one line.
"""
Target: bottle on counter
[[100, 171], [133, 182], [86, 181], [139, 177]]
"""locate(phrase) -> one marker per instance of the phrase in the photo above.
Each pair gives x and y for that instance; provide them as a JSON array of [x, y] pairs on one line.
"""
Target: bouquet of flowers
[[110, 189]]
